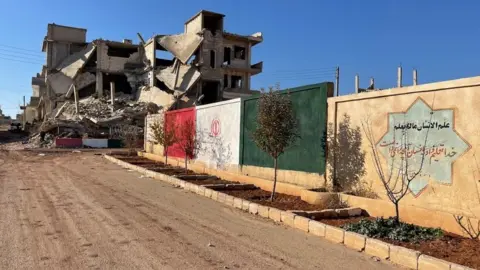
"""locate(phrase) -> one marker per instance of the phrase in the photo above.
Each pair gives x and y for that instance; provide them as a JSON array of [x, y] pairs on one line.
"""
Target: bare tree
[[276, 127], [397, 179], [469, 228], [164, 134], [129, 135], [189, 141]]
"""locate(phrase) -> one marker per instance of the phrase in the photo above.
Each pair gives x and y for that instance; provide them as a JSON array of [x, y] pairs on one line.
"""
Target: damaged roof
[[206, 12], [182, 46], [254, 39]]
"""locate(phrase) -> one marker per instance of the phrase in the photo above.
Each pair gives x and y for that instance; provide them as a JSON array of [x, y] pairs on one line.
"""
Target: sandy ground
[[78, 211]]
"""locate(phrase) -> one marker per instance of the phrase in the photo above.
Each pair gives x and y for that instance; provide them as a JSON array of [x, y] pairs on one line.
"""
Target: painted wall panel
[[68, 142], [180, 118], [218, 126], [308, 153]]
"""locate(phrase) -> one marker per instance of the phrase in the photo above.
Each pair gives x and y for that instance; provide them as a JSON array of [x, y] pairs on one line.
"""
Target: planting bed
[[281, 201], [449, 247], [167, 169]]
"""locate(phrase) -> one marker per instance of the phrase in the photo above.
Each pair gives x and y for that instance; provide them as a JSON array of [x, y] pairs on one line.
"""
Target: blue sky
[[303, 40]]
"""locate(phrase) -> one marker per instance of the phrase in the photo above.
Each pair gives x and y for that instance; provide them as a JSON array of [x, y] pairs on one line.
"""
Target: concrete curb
[[411, 259]]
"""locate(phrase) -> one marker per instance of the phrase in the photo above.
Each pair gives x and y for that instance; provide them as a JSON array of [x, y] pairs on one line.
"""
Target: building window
[[212, 59], [237, 82], [239, 52], [227, 51]]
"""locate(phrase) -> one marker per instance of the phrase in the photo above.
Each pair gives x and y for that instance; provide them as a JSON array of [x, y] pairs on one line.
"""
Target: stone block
[[238, 203], [245, 205], [208, 193], [354, 211], [263, 211], [182, 183], [229, 200], [287, 218], [214, 195], [221, 197], [316, 228], [355, 241], [404, 256], [201, 190], [301, 223], [334, 234], [377, 248], [274, 214], [426, 262], [253, 208]]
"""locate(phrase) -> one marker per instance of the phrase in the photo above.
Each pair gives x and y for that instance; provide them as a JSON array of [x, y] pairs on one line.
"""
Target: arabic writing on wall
[[427, 140]]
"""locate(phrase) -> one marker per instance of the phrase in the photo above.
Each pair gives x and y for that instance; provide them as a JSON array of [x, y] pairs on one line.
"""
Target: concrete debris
[[74, 62], [182, 46], [180, 79]]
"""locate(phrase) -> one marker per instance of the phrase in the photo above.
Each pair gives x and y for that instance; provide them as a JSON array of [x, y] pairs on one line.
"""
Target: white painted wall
[[223, 149]]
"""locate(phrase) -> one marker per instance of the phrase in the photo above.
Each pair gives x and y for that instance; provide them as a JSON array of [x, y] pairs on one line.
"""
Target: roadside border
[[405, 257]]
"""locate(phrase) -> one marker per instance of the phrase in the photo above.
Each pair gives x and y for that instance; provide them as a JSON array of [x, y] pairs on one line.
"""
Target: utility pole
[[415, 81], [399, 77], [24, 118], [357, 83], [75, 95], [112, 95], [337, 81]]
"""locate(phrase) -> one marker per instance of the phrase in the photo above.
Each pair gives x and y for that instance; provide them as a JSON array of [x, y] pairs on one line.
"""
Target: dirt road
[[78, 211]]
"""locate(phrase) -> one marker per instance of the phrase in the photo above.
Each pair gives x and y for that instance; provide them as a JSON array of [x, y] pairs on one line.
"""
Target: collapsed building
[[102, 83]]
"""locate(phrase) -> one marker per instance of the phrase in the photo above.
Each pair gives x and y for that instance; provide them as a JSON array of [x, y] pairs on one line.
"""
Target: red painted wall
[[68, 142], [179, 117]]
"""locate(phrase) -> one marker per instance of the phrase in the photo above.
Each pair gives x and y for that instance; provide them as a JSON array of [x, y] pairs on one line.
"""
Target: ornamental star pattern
[[420, 128]]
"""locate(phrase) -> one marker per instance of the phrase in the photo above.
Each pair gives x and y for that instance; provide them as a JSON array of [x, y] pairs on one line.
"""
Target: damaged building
[[106, 82]]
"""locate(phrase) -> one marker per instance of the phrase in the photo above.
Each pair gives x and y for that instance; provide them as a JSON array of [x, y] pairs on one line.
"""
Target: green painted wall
[[308, 152]]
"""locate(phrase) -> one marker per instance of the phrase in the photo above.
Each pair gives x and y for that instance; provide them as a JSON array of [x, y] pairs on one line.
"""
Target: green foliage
[[276, 123], [390, 229]]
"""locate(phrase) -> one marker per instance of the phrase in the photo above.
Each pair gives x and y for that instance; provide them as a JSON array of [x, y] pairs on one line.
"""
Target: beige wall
[[462, 195]]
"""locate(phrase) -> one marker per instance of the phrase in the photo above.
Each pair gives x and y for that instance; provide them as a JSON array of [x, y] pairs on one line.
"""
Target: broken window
[[239, 52], [237, 81], [210, 92], [213, 23], [225, 81], [227, 51], [120, 51], [212, 59]]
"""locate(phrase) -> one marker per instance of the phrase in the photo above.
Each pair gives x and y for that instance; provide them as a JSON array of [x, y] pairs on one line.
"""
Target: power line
[[23, 53], [19, 57], [16, 60], [306, 76], [17, 48]]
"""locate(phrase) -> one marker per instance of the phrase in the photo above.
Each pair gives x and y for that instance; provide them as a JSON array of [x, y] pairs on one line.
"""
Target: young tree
[[401, 169], [189, 141], [276, 127], [164, 133], [129, 135]]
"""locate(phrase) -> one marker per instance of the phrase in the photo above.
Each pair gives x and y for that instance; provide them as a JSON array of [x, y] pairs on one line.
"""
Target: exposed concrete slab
[[182, 46], [73, 63], [59, 82], [155, 95], [187, 77]]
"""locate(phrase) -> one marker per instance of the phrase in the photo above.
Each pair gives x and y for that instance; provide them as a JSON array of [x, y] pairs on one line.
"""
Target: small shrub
[[389, 229], [336, 202]]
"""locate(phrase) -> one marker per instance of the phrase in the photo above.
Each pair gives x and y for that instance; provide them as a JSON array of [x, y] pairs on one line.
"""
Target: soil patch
[[281, 201], [211, 181], [450, 247]]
